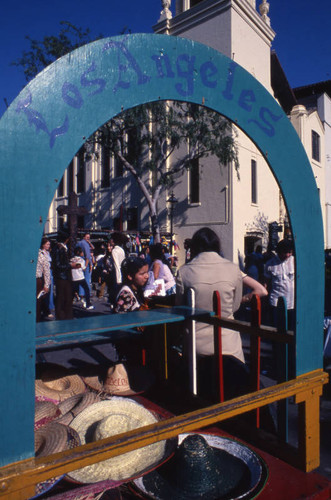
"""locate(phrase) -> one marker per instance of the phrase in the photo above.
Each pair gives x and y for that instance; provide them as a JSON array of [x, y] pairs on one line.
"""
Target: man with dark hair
[[280, 275], [62, 278]]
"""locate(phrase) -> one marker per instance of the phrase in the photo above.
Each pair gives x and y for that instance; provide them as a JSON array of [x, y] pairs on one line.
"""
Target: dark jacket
[[61, 263]]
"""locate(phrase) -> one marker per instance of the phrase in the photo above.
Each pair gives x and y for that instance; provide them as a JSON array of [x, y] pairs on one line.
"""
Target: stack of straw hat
[[56, 384], [109, 418], [120, 380]]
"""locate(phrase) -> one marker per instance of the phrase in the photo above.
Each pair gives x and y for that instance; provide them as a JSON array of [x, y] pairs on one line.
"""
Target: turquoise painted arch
[[50, 120]]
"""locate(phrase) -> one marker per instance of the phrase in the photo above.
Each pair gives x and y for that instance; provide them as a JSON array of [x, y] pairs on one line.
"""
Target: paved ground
[[105, 353]]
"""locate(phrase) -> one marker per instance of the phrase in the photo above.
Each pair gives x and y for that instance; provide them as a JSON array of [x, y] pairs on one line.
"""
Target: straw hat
[[57, 384], [109, 418], [121, 380], [53, 438], [202, 470], [72, 406], [45, 412]]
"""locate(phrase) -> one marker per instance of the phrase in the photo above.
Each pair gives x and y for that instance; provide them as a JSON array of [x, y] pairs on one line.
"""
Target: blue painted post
[[48, 123]]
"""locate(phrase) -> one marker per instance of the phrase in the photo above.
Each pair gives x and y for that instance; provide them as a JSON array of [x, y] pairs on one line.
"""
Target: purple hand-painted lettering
[[100, 83], [131, 63], [71, 95], [266, 127], [35, 118], [186, 71], [129, 73]]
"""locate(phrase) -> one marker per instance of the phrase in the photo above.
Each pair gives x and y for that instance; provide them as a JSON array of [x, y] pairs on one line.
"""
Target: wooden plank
[[60, 341], [193, 373], [281, 353], [15, 477], [255, 345], [218, 345], [104, 323], [265, 332], [309, 428], [56, 334]]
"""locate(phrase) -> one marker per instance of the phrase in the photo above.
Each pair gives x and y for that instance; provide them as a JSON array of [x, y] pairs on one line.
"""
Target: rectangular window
[[60, 221], [60, 189], [80, 222], [131, 146], [132, 218], [105, 168], [254, 181], [194, 181], [71, 185], [118, 168], [80, 171], [315, 145]]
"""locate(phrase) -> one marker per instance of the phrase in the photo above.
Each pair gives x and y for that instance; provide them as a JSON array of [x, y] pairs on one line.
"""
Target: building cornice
[[208, 9]]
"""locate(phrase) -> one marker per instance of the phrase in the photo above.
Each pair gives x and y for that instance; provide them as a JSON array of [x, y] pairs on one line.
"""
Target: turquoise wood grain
[[50, 120], [52, 333]]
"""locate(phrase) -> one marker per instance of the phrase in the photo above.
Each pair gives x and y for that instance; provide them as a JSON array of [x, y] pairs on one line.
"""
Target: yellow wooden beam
[[309, 428], [20, 476]]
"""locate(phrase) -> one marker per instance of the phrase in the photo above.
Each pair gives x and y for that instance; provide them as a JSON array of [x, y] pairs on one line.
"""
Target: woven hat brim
[[71, 407], [57, 384], [55, 437], [59, 438], [45, 412], [128, 465], [157, 486]]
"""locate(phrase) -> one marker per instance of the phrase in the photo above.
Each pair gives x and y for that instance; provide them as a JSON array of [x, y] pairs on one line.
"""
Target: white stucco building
[[238, 209]]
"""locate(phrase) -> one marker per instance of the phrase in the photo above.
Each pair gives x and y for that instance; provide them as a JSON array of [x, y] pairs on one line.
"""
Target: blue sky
[[303, 41]]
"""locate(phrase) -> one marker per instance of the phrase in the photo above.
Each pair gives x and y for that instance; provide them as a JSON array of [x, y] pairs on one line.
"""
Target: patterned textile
[[43, 268], [126, 300]]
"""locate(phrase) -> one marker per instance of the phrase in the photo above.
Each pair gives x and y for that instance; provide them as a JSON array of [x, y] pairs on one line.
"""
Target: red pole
[[256, 321], [218, 343]]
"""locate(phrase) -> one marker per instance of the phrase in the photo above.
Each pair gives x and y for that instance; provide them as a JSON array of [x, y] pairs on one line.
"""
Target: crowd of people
[[107, 271], [132, 280]]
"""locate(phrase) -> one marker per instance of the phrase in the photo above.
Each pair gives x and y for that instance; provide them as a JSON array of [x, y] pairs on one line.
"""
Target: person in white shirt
[[78, 277], [280, 275], [118, 254]]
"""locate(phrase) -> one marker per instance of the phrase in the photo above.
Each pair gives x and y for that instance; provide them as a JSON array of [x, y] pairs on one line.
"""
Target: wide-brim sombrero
[[45, 412], [206, 466], [71, 407], [120, 380], [56, 383], [49, 439], [109, 418], [53, 438]]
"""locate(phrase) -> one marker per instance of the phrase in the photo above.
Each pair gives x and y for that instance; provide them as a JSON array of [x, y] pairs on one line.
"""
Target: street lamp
[[172, 201]]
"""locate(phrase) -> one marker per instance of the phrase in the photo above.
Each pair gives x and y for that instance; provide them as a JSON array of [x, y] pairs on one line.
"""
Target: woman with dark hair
[[161, 269], [205, 273], [43, 277], [205, 240], [135, 276]]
